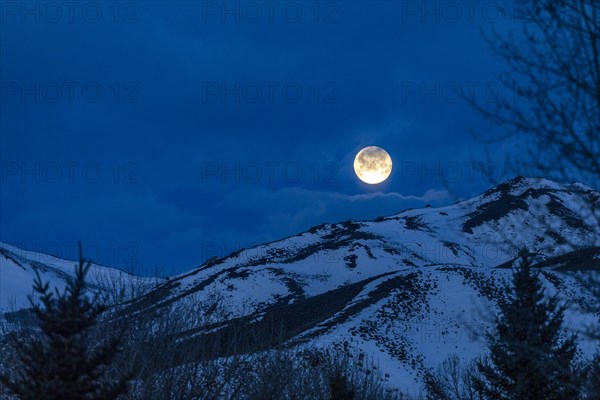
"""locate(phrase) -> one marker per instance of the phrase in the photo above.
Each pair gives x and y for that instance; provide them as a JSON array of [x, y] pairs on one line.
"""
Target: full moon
[[373, 165]]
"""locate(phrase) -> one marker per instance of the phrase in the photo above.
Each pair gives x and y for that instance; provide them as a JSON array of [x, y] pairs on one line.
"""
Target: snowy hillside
[[409, 289], [18, 267]]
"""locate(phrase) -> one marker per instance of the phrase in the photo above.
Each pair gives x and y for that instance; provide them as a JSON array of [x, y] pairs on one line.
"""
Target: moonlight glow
[[372, 165]]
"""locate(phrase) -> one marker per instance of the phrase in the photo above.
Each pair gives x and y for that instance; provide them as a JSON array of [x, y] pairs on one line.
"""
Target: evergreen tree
[[528, 359], [59, 361]]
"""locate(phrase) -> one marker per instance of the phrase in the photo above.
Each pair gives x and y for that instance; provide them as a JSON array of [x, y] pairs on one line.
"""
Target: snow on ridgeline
[[18, 267]]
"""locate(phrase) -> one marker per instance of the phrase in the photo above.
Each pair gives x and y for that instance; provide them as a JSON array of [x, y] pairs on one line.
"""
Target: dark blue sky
[[163, 133]]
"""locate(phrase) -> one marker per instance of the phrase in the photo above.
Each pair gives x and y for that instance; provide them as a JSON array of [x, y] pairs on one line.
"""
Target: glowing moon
[[373, 165]]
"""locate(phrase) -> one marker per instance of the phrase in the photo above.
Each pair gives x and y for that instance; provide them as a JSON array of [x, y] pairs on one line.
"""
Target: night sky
[[163, 133]]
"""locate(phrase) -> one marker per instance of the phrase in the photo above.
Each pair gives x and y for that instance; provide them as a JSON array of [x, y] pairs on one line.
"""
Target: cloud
[[293, 210]]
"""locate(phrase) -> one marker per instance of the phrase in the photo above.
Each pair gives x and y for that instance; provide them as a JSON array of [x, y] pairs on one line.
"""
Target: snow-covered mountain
[[407, 289], [18, 268]]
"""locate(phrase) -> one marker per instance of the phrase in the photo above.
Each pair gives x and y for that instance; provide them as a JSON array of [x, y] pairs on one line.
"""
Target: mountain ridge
[[18, 268], [370, 282], [408, 289]]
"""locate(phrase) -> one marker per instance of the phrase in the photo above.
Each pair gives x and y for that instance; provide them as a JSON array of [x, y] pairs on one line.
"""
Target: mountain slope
[[483, 232], [18, 268], [409, 289]]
